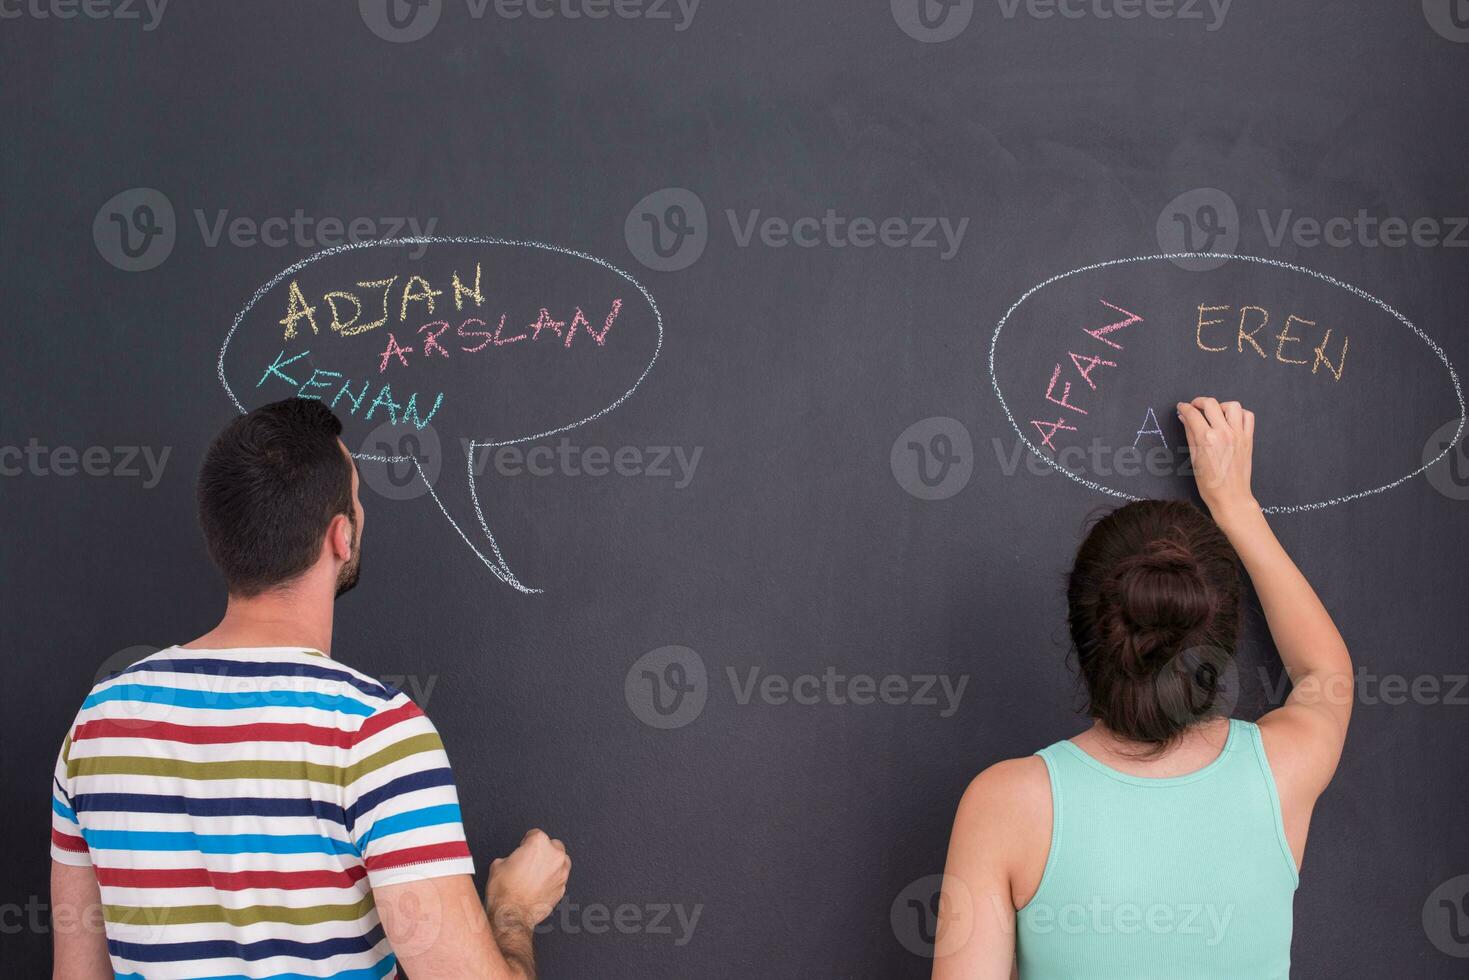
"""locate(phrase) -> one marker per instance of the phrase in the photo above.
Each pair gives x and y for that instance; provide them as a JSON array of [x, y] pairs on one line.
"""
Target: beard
[[352, 571]]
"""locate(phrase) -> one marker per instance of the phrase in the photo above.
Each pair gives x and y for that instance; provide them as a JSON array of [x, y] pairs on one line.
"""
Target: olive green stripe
[[184, 915], [126, 765], [427, 742]]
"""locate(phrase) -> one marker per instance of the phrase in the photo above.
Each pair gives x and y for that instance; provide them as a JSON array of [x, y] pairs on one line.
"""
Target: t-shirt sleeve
[[67, 845], [402, 807]]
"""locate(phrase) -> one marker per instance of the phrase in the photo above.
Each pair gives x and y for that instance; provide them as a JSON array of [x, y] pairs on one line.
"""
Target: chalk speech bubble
[[490, 337], [1139, 330]]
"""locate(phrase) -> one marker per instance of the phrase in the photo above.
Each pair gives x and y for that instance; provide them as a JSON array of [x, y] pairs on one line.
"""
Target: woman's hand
[[1221, 442]]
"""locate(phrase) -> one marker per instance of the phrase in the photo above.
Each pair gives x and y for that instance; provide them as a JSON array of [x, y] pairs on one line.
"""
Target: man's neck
[[296, 617]]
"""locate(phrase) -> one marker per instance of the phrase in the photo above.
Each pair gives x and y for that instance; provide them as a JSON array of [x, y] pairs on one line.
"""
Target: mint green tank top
[[1182, 878]]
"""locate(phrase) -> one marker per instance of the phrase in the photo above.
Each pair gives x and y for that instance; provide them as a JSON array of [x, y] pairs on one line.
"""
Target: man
[[242, 805]]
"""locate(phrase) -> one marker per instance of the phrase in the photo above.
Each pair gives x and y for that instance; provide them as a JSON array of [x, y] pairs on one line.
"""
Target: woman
[[1165, 841]]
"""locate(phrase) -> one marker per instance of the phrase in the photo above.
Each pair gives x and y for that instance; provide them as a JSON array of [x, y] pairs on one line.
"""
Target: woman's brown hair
[[1154, 614]]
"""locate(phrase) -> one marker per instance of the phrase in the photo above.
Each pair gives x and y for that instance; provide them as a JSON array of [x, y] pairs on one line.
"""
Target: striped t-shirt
[[238, 807]]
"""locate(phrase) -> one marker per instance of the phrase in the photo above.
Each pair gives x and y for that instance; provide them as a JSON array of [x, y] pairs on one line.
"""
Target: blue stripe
[[184, 840], [427, 779], [376, 972], [213, 948], [228, 806], [239, 668], [429, 816], [62, 810], [184, 698]]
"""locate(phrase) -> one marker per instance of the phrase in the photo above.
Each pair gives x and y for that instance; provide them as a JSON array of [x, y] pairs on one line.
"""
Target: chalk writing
[[1217, 329], [1084, 365], [1294, 331], [420, 320]]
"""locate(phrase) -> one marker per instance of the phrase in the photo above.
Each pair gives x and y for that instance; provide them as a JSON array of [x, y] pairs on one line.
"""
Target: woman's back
[[1163, 842], [1146, 877]]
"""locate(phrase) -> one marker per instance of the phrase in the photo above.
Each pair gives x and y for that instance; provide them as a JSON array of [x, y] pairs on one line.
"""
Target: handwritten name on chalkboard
[[1084, 376], [364, 325], [1283, 344]]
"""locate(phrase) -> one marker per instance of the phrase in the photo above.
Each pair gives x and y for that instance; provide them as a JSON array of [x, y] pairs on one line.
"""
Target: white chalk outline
[[499, 567], [1274, 509]]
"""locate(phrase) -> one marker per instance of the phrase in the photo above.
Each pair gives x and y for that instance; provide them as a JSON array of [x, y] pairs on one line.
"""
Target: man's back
[[239, 806]]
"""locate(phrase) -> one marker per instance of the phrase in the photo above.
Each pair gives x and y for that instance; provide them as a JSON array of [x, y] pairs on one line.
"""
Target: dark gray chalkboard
[[816, 477]]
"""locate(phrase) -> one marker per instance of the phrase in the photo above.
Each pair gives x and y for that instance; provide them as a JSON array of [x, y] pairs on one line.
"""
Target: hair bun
[[1160, 597]]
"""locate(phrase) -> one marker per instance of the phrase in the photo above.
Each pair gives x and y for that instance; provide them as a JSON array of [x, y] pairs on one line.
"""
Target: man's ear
[[339, 537]]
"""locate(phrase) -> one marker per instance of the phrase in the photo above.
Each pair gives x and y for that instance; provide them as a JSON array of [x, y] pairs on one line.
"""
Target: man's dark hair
[[270, 485]]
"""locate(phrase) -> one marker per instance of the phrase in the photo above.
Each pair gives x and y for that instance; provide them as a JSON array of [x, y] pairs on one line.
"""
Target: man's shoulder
[[179, 675]]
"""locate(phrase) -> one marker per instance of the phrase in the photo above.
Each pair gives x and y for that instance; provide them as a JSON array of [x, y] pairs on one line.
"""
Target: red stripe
[[419, 855], [67, 842], [213, 735], [227, 881], [387, 719], [259, 732]]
